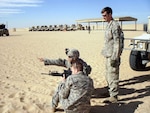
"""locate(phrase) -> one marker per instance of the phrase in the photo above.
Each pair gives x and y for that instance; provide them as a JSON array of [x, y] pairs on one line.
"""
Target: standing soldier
[[89, 29], [112, 51]]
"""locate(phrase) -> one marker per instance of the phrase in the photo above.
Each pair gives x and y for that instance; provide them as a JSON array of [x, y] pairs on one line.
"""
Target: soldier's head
[[107, 14], [73, 54], [76, 66]]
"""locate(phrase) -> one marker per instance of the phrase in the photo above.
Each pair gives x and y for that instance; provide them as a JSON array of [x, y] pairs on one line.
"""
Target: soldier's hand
[[41, 59], [113, 63], [63, 78]]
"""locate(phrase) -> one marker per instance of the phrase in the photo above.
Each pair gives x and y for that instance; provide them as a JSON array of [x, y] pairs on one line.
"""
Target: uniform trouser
[[56, 97], [65, 103], [112, 77]]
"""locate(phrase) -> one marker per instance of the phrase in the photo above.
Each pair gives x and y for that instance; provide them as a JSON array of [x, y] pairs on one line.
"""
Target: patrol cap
[[73, 53]]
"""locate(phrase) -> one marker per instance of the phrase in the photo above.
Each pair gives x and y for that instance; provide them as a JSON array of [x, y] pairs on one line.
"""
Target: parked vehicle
[[56, 28], [3, 31], [33, 28], [51, 28], [61, 27], [140, 51], [72, 27]]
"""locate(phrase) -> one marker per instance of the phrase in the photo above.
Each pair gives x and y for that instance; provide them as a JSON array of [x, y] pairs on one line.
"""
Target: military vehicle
[[46, 28], [51, 28], [69, 28], [42, 28], [56, 28], [61, 27], [65, 27], [74, 27], [38, 28], [80, 27], [33, 28], [140, 51], [3, 31], [30, 28]]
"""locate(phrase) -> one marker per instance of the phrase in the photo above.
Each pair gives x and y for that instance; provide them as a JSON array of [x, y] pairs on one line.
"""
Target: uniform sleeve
[[86, 68], [92, 86], [64, 93], [116, 47], [58, 62]]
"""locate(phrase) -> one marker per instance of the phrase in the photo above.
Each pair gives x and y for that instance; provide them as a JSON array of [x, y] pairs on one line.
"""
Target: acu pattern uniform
[[75, 93], [112, 51]]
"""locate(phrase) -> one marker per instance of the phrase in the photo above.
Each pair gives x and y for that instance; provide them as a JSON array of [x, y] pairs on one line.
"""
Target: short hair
[[107, 9], [77, 64]]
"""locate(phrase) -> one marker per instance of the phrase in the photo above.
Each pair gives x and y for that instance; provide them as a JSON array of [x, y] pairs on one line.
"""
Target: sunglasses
[[104, 15]]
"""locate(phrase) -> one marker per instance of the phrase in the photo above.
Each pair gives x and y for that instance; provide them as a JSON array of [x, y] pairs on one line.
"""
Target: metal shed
[[99, 20]]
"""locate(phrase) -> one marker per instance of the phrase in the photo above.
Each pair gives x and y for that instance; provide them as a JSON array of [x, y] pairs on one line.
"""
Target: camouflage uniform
[[75, 94], [112, 51]]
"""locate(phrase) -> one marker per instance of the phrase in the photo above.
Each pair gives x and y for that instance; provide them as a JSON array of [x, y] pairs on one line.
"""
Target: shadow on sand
[[123, 107], [145, 69], [116, 108], [135, 80]]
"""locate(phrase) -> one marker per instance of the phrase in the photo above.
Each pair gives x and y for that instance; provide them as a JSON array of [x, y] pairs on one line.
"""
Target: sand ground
[[23, 89]]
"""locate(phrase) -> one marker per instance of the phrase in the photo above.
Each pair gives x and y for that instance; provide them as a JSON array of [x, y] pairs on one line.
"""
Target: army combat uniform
[[74, 94], [112, 51]]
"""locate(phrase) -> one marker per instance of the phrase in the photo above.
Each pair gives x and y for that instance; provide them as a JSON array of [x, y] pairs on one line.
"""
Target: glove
[[113, 63]]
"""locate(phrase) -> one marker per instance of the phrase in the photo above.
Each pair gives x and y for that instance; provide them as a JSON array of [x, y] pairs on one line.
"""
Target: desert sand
[[23, 89]]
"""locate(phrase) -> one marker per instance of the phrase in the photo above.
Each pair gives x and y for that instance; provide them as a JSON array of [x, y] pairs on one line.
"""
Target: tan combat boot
[[111, 100]]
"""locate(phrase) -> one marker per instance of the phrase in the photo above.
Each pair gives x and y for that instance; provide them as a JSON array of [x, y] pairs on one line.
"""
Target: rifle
[[66, 73]]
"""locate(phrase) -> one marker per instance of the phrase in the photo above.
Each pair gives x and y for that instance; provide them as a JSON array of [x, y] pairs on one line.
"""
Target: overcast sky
[[27, 13]]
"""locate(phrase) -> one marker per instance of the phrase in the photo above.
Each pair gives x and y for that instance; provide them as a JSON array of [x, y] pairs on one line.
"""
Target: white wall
[[148, 23]]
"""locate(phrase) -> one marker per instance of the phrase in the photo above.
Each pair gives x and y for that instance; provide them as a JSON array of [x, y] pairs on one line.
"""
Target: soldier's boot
[[112, 100]]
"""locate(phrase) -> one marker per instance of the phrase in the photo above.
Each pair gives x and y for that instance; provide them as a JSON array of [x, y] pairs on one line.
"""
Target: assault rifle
[[66, 73]]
